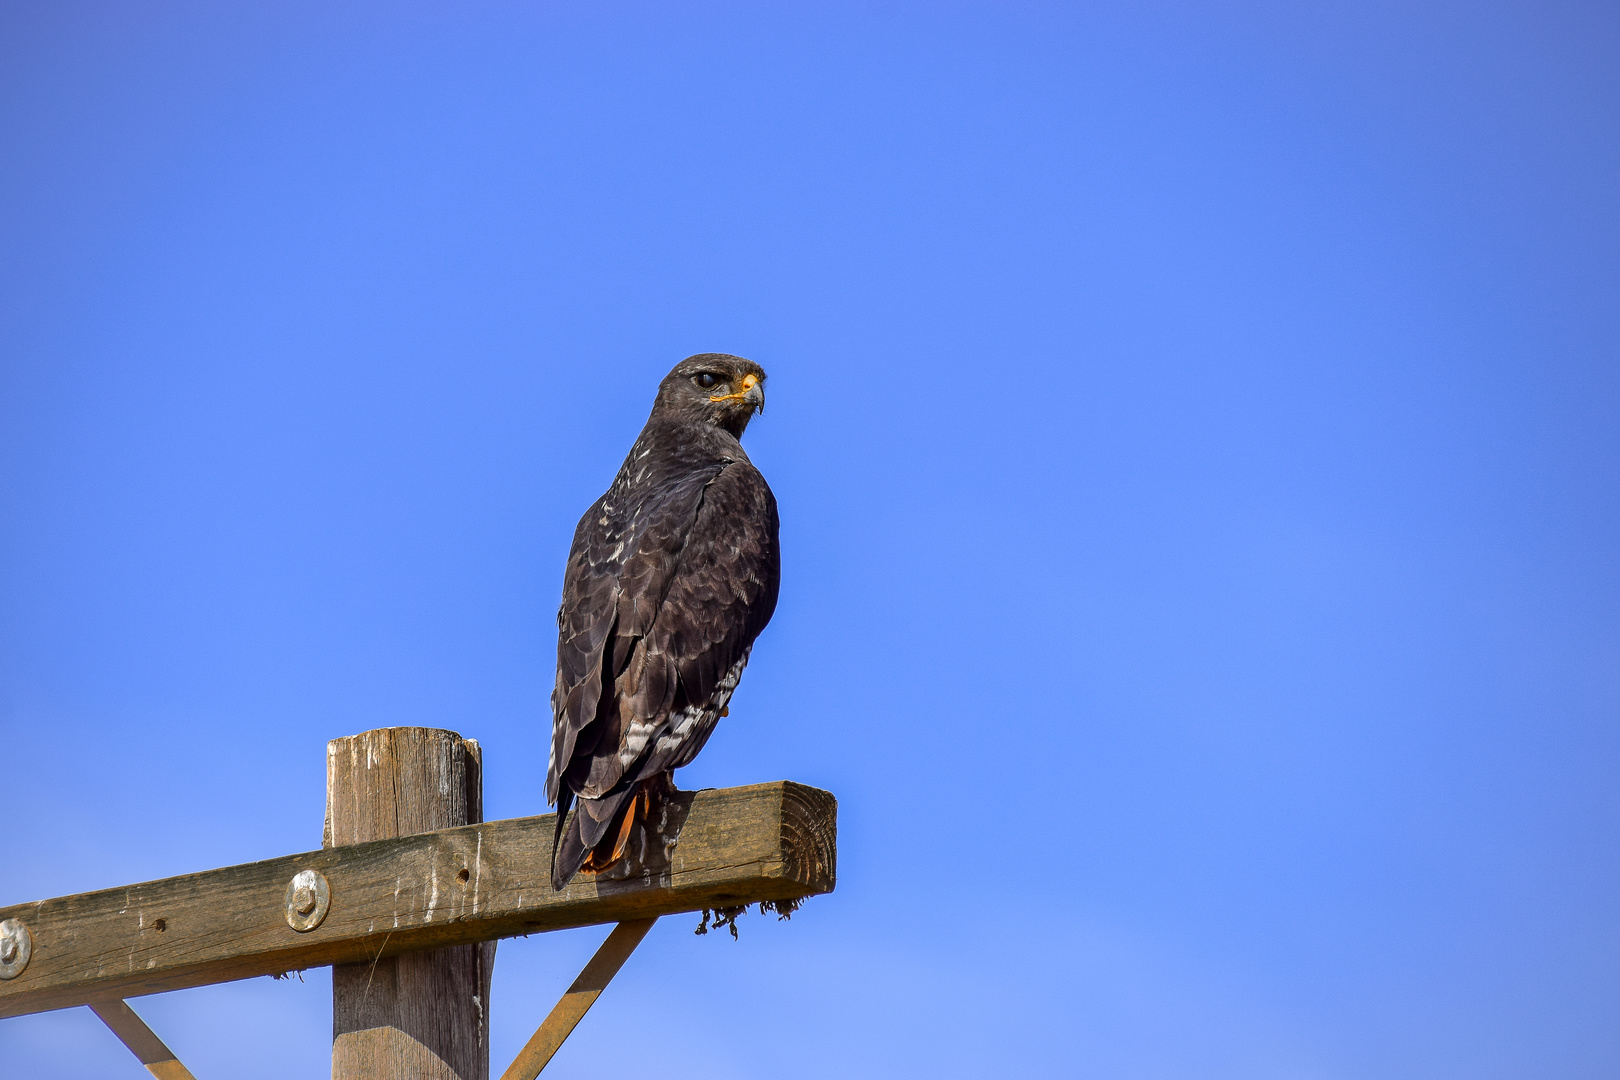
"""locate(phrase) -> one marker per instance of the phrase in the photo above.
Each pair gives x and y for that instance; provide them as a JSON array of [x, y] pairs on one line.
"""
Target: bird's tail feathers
[[565, 799], [596, 823]]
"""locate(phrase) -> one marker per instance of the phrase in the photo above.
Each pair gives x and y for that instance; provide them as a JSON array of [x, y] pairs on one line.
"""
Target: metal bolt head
[[16, 946], [307, 900]]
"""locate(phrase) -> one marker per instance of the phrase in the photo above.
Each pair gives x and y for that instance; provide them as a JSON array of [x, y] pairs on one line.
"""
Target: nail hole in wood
[[161, 925], [463, 876]]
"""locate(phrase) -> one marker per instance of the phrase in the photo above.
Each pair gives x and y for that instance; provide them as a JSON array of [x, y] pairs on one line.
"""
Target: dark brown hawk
[[672, 575]]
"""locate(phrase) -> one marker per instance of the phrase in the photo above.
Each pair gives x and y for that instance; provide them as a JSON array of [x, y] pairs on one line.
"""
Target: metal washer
[[307, 901], [16, 946]]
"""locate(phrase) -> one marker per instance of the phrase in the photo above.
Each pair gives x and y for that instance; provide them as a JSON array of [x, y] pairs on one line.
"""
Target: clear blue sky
[[1196, 430]]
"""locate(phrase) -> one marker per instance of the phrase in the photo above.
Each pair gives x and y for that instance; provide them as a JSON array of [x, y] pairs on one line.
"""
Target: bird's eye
[[707, 380]]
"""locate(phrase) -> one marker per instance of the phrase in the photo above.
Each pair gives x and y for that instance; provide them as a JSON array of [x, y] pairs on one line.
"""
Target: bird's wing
[[720, 598], [624, 552], [725, 590], [690, 600]]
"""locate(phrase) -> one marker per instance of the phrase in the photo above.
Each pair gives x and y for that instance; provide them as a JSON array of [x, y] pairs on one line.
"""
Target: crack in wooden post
[[568, 1012]]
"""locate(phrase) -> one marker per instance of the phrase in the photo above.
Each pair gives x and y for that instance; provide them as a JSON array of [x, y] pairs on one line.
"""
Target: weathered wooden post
[[420, 1015]]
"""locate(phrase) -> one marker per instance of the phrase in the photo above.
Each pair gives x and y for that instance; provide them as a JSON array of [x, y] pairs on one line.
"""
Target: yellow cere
[[748, 383]]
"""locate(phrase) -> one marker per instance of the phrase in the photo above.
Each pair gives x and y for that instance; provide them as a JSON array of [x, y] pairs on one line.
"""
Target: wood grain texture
[[423, 1014], [772, 841]]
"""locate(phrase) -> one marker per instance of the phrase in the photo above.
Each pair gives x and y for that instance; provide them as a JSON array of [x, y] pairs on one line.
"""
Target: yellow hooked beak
[[752, 393]]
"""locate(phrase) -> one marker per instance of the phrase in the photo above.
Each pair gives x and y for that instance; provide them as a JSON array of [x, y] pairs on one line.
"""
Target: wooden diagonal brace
[[568, 1012], [141, 1040]]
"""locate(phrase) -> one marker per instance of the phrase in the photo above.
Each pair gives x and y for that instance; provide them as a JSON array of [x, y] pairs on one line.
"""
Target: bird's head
[[713, 388]]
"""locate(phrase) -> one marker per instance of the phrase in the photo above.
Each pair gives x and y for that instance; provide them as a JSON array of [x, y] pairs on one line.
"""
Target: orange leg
[[640, 806]]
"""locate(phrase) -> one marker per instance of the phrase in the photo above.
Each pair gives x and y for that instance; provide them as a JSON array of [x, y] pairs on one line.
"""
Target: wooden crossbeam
[[455, 886]]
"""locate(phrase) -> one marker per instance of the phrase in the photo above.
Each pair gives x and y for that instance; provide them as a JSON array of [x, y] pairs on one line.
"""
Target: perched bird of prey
[[672, 575]]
